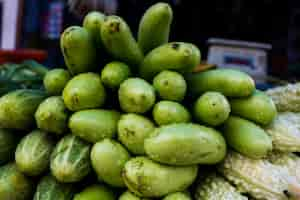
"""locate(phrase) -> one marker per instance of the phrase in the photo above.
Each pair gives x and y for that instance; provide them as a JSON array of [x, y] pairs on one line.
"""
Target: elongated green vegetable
[[119, 42], [231, 83], [154, 28], [247, 138], [177, 56], [78, 50], [17, 108], [92, 23], [258, 108], [147, 178]]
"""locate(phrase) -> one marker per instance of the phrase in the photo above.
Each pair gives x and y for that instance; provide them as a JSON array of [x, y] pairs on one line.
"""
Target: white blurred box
[[250, 57]]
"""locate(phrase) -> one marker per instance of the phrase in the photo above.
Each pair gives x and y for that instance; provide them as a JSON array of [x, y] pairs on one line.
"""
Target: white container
[[249, 57]]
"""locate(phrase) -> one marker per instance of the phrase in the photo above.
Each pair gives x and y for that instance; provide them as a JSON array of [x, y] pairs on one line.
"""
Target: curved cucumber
[[154, 28], [119, 41], [247, 138], [177, 56], [78, 50], [231, 83], [258, 108], [92, 23]]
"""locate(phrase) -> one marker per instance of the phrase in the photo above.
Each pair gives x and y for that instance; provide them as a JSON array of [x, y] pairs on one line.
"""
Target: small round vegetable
[[147, 178], [50, 189], [108, 159], [84, 91], [8, 143], [185, 144], [178, 196], [95, 192], [130, 196], [33, 153], [247, 138], [70, 160], [168, 112], [13, 184], [52, 115], [136, 95], [170, 85], [212, 108], [55, 81], [114, 73], [133, 129]]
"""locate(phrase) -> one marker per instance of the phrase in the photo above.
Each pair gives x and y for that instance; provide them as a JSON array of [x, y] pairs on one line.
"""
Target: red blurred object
[[17, 56]]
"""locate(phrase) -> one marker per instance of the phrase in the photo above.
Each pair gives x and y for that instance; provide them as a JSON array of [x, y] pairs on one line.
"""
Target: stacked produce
[[28, 74], [129, 120]]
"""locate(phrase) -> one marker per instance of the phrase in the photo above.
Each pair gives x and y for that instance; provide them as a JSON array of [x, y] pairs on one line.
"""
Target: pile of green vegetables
[[26, 75], [129, 120]]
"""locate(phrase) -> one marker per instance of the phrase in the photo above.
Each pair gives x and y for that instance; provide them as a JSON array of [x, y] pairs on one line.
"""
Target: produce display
[[128, 119]]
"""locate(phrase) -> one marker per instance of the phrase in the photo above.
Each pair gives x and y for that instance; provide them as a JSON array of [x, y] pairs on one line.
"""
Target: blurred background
[[261, 36]]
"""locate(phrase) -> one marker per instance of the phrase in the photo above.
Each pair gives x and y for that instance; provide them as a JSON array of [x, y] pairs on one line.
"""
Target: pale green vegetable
[[258, 108], [70, 160], [136, 96], [55, 80], [92, 22], [259, 178], [84, 91], [178, 196], [108, 158], [130, 196], [212, 108], [159, 18], [170, 85], [50, 189], [33, 153], [285, 132], [215, 187], [170, 112], [14, 185], [95, 192], [119, 41], [52, 115], [133, 129], [17, 108], [289, 160], [185, 144], [78, 49], [95, 124], [286, 98], [247, 138], [147, 178], [114, 73], [231, 83], [176, 56]]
